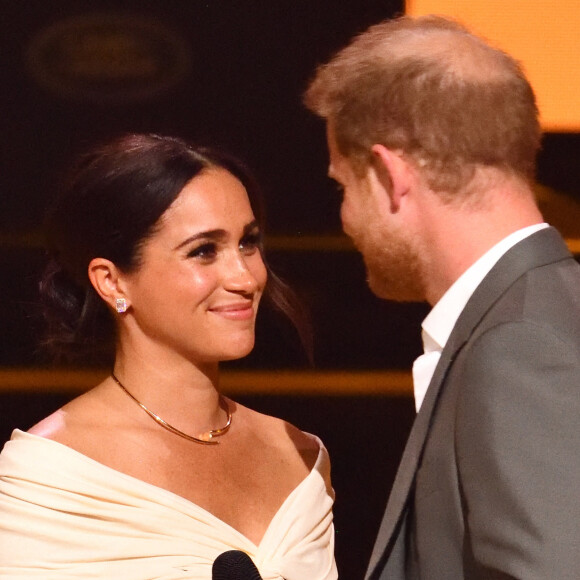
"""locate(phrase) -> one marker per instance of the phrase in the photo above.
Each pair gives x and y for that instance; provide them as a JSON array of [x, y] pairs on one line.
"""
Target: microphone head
[[234, 565]]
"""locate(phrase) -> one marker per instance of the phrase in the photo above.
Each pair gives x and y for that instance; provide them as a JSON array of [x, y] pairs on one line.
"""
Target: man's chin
[[395, 291]]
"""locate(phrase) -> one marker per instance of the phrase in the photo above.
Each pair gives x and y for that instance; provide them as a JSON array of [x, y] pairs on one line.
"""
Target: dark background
[[245, 66]]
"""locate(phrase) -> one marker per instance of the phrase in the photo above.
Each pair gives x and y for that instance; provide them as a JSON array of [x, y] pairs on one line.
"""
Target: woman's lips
[[237, 311]]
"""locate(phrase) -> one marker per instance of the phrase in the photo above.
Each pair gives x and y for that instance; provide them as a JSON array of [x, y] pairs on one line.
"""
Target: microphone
[[234, 565]]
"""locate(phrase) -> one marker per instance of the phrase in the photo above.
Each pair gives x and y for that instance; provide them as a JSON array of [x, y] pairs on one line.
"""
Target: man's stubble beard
[[393, 269]]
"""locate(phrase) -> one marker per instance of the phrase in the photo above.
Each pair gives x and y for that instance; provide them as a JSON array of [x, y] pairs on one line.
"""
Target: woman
[[153, 473]]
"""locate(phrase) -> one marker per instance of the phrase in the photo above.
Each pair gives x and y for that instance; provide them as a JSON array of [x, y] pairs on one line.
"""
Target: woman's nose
[[239, 276]]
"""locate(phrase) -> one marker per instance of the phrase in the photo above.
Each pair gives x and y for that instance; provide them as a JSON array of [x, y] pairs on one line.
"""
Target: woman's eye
[[203, 252], [250, 243]]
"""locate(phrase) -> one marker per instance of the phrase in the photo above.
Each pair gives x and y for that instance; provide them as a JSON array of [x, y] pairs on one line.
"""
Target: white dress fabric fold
[[65, 516]]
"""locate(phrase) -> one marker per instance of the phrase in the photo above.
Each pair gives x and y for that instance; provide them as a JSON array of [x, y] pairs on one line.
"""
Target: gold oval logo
[[111, 57]]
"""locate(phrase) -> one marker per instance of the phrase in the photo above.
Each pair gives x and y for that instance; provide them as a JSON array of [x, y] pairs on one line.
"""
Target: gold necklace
[[204, 438]]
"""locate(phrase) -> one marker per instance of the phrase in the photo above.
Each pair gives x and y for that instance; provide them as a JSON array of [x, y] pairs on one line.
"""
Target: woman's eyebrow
[[251, 226], [212, 235], [215, 235]]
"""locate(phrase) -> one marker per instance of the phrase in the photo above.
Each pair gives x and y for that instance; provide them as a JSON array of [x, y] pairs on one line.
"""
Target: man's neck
[[457, 236]]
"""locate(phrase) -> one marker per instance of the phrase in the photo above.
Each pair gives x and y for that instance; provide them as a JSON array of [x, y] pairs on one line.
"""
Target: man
[[433, 136]]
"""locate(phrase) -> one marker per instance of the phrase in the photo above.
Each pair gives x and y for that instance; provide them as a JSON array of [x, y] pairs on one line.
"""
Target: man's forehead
[[335, 158], [337, 164]]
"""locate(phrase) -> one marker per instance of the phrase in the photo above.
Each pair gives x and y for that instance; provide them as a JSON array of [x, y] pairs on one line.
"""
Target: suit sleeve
[[518, 453]]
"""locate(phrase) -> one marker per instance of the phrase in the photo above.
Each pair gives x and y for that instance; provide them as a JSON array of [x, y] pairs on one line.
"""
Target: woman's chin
[[238, 351]]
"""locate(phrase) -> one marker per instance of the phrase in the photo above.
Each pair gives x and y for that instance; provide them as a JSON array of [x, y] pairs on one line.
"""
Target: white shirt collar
[[439, 323]]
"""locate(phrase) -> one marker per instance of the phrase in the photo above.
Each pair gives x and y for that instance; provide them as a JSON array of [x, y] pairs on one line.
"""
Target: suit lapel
[[543, 247]]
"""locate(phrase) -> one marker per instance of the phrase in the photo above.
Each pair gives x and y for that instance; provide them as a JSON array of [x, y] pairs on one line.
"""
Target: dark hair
[[429, 87], [109, 206]]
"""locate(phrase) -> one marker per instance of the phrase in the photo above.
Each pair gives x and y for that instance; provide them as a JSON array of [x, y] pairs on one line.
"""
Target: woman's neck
[[182, 393]]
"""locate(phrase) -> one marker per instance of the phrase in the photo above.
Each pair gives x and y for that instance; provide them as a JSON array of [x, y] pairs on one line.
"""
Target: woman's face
[[197, 290]]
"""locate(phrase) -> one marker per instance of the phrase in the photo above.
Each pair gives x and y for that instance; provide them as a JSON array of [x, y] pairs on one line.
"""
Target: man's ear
[[107, 281], [394, 173]]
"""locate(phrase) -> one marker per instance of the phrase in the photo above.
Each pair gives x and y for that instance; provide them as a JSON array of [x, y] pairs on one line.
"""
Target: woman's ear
[[394, 173], [106, 280]]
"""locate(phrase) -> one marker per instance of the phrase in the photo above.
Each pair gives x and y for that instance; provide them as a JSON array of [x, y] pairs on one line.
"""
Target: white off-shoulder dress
[[65, 516]]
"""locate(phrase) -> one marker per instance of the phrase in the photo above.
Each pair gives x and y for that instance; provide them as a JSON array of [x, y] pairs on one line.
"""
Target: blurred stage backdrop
[[226, 72]]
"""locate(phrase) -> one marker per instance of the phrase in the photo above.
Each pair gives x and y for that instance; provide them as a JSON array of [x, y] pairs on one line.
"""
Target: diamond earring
[[121, 305]]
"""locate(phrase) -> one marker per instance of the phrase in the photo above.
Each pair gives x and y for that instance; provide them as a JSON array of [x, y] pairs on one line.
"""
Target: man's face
[[377, 230]]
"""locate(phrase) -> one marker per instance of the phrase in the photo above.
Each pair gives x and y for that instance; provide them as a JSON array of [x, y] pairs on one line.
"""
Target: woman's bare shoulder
[[281, 433], [50, 427], [73, 419]]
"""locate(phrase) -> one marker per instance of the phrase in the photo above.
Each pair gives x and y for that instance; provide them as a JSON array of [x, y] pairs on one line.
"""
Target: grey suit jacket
[[489, 483]]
